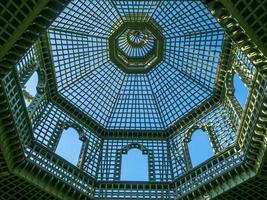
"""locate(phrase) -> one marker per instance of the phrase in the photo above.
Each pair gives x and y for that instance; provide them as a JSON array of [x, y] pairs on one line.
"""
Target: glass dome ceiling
[[31, 164], [116, 99], [136, 43]]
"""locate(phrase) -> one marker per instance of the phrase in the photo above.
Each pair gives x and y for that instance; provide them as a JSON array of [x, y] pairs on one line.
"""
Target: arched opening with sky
[[69, 146], [134, 166], [240, 91], [199, 147]]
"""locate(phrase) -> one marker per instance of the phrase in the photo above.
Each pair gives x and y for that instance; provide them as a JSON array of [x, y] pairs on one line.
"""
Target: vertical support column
[[188, 162], [99, 160], [82, 155]]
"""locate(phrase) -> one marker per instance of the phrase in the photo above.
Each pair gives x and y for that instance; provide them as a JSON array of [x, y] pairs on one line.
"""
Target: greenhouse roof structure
[[133, 74], [124, 84]]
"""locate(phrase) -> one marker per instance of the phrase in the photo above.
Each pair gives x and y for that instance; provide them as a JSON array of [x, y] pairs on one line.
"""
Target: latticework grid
[[11, 187], [158, 162], [79, 53], [254, 14], [135, 43], [134, 191], [220, 128], [49, 129], [29, 136]]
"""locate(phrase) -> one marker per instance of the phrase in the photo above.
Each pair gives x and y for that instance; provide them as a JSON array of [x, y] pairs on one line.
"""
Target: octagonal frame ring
[[137, 65]]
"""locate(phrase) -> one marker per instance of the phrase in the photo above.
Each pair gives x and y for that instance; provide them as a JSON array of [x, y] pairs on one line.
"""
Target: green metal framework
[[100, 91], [54, 37], [139, 62]]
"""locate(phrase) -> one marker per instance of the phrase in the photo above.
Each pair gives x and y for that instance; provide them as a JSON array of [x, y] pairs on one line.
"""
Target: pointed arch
[[240, 90], [237, 89], [71, 143], [134, 166], [29, 90], [142, 149], [206, 142]]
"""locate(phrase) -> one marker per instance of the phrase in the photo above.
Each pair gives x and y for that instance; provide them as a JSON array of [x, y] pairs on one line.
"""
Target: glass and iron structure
[[133, 75]]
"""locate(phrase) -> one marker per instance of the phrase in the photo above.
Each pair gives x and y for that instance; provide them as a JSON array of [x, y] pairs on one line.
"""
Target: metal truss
[[29, 167]]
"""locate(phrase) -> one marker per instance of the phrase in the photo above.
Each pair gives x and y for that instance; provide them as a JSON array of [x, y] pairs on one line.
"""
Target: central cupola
[[136, 46]]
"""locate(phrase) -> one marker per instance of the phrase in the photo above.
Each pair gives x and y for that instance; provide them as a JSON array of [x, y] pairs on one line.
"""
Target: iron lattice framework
[[133, 74]]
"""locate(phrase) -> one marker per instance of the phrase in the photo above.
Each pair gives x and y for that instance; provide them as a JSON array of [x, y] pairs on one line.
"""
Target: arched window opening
[[199, 147], [29, 90], [134, 166], [69, 146], [240, 91]]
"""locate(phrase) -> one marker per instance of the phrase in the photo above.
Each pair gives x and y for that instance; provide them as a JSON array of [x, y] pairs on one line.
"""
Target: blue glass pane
[[199, 147], [241, 91], [134, 166], [69, 146]]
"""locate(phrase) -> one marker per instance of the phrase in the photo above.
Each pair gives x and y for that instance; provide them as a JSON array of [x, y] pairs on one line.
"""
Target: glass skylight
[[142, 97], [117, 100], [135, 43]]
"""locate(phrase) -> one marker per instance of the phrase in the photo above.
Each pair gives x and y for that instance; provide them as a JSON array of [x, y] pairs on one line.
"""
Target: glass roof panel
[[180, 18], [96, 94], [136, 107], [75, 55], [175, 92], [131, 9], [88, 79], [135, 43], [92, 17]]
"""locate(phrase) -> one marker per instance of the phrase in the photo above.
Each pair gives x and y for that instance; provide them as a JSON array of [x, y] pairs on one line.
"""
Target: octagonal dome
[[136, 47], [116, 100]]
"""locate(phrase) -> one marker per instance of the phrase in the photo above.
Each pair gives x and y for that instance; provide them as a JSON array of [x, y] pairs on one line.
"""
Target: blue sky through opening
[[199, 147], [69, 146], [31, 85], [146, 102], [241, 91], [134, 166], [200, 47]]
